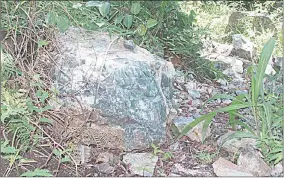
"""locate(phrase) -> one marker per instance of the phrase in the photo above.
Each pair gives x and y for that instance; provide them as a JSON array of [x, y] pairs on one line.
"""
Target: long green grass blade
[[195, 122], [233, 107], [262, 64], [205, 127]]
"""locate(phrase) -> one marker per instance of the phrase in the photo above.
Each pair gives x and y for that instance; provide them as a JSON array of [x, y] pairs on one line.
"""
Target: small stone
[[104, 168], [179, 168], [194, 94], [223, 167], [250, 161], [174, 175], [243, 47], [277, 171], [239, 92], [196, 102], [222, 81], [142, 164], [227, 101], [129, 44], [105, 157]]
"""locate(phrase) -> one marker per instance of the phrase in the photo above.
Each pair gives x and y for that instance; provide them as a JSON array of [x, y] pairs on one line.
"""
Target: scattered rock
[[131, 88], [194, 94], [243, 48], [196, 132], [250, 161], [223, 82], [239, 92], [142, 164], [223, 167], [180, 169], [105, 157], [227, 101], [234, 145], [277, 171], [104, 168]]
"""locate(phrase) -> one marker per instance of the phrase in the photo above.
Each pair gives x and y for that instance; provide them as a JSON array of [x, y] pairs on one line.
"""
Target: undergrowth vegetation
[[217, 15], [161, 27]]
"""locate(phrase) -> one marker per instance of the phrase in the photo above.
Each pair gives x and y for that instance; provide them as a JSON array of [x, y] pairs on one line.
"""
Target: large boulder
[[131, 87], [241, 22]]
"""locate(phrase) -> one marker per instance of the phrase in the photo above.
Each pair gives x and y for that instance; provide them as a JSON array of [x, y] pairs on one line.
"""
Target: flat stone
[[104, 168], [250, 161], [223, 167], [142, 164]]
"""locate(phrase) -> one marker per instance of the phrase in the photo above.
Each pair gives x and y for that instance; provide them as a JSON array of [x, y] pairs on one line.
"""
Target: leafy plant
[[206, 157], [37, 173]]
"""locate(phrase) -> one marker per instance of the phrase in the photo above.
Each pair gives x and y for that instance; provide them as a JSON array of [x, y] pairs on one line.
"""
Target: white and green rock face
[[129, 86]]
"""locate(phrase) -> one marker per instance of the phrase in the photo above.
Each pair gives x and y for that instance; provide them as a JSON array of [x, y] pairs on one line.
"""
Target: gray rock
[[142, 164], [250, 161], [223, 82], [234, 145], [104, 168], [180, 169], [239, 21], [277, 171], [223, 167], [194, 94], [243, 48], [239, 92], [132, 89], [227, 101], [196, 132], [105, 157]]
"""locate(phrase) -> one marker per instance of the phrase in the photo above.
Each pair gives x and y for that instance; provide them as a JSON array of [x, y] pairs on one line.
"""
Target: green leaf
[[135, 8], [93, 4], [151, 23], [118, 20], [42, 43], [65, 159], [262, 65], [127, 22], [43, 97], [195, 122], [50, 18], [276, 150], [205, 126], [104, 9], [141, 30], [247, 127], [37, 173], [62, 23], [233, 107], [6, 149], [57, 152], [279, 158], [45, 120]]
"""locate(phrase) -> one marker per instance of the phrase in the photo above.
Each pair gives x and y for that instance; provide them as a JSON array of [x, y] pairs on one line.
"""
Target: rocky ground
[[185, 157]]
